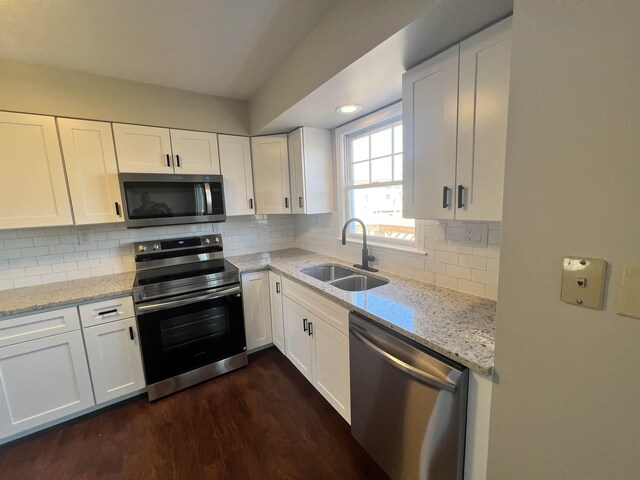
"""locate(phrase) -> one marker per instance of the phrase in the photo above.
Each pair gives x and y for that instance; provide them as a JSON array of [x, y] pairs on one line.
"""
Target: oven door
[[190, 331], [159, 199]]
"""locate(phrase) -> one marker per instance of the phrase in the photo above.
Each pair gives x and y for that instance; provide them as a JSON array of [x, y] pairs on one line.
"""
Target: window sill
[[386, 246]]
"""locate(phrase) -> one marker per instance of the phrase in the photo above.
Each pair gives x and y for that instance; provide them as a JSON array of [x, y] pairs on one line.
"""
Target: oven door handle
[[186, 301]]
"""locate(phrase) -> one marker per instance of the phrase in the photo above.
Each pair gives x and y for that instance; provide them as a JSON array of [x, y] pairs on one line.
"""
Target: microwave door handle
[[186, 301], [207, 194]]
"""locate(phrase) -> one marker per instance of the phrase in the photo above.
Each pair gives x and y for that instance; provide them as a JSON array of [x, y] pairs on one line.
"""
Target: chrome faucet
[[366, 258]]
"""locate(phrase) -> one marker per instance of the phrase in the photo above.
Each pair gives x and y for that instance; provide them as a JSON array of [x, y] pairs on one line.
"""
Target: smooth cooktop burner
[[187, 270]]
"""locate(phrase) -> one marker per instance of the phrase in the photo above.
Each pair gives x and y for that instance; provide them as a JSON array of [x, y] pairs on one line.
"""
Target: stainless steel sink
[[326, 273], [358, 283], [343, 278]]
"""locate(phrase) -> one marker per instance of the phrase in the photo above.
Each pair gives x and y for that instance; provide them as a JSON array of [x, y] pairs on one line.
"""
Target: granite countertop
[[455, 324], [51, 295]]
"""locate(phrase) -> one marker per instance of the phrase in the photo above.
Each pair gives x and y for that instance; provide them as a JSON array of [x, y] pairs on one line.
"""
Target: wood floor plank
[[265, 421]]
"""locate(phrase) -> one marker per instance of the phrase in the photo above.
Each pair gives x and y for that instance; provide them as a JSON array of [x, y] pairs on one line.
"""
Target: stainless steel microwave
[[153, 199]]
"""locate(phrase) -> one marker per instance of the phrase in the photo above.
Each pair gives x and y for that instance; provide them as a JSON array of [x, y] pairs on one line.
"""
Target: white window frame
[[387, 115]]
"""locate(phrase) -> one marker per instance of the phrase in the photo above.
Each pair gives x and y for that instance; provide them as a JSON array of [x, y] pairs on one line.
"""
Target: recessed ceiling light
[[351, 108]]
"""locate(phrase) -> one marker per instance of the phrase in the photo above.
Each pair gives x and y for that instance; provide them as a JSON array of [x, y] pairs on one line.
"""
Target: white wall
[[33, 256], [29, 88], [567, 399], [448, 263]]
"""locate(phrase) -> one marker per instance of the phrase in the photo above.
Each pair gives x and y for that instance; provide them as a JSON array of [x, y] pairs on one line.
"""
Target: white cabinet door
[[114, 357], [277, 320], [311, 170], [271, 173], [92, 171], [143, 149], [430, 111], [43, 380], [485, 64], [33, 189], [257, 309], [297, 339], [331, 367], [195, 152], [235, 166]]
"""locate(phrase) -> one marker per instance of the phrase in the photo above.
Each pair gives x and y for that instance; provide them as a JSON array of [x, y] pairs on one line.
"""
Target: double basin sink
[[343, 278]]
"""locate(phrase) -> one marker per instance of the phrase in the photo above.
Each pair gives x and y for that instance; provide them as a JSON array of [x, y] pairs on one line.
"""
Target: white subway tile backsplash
[[488, 278], [74, 257], [54, 277], [18, 242], [459, 272], [448, 262], [42, 241], [104, 270], [27, 282], [65, 267], [491, 292], [41, 270], [77, 274], [473, 288], [14, 273], [50, 259], [31, 232], [69, 239], [4, 234], [34, 251], [55, 249], [82, 264], [9, 253], [23, 262]]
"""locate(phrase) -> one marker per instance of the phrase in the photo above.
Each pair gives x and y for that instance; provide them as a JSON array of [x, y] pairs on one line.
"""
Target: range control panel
[[177, 244]]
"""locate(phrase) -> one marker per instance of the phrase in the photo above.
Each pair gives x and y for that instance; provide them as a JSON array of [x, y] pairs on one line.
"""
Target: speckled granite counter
[[458, 325], [455, 324], [51, 295]]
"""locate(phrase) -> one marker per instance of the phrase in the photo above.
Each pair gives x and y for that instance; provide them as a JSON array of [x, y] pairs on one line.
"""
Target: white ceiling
[[227, 48]]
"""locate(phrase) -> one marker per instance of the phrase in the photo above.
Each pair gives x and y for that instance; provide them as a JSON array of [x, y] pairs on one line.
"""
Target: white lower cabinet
[[296, 321], [316, 347], [114, 357], [257, 309], [277, 319], [43, 380]]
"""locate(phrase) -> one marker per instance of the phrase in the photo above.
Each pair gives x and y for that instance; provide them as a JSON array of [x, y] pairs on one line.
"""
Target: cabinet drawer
[[97, 313], [330, 312], [38, 325]]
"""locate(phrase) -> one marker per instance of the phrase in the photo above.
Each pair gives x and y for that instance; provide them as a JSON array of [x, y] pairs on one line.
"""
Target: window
[[372, 175]]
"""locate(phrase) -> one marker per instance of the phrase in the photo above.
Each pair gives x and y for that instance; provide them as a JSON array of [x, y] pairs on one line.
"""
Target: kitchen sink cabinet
[[316, 343], [237, 173], [92, 171], [311, 170], [257, 309], [45, 378], [455, 119], [33, 185], [143, 149], [270, 159], [113, 348], [277, 319]]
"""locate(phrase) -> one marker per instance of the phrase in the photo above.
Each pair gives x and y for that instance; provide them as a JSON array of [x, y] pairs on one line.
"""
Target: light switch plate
[[583, 281], [628, 303]]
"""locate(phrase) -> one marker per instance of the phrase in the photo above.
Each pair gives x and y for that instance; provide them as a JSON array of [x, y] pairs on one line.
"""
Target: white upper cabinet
[[33, 190], [455, 117], [235, 166], [485, 65], [311, 170], [195, 152], [161, 150], [271, 173], [92, 171], [143, 149]]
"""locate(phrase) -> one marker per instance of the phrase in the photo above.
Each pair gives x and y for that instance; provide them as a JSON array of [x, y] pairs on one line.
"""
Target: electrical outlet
[[475, 234], [85, 237]]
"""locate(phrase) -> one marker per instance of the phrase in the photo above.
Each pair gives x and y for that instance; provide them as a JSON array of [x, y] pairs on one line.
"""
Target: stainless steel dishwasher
[[408, 404]]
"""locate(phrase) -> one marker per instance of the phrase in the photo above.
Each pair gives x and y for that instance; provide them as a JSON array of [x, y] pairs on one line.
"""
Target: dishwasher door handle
[[405, 367]]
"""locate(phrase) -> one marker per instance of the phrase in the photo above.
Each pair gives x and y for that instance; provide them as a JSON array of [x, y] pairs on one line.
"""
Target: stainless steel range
[[189, 311]]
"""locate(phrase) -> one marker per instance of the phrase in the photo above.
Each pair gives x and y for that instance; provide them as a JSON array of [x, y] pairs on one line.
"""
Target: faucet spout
[[366, 258]]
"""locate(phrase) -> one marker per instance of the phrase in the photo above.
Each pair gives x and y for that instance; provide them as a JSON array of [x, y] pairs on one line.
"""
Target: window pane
[[397, 139], [397, 167], [360, 149], [381, 210], [381, 170], [381, 143], [360, 173]]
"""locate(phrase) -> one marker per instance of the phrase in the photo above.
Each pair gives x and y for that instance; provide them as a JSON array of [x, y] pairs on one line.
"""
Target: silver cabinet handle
[[405, 367]]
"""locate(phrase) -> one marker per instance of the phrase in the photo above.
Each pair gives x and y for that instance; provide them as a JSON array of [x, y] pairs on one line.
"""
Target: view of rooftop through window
[[374, 185]]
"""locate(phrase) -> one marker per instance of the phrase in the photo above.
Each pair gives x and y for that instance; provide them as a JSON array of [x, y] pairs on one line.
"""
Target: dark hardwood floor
[[264, 421]]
